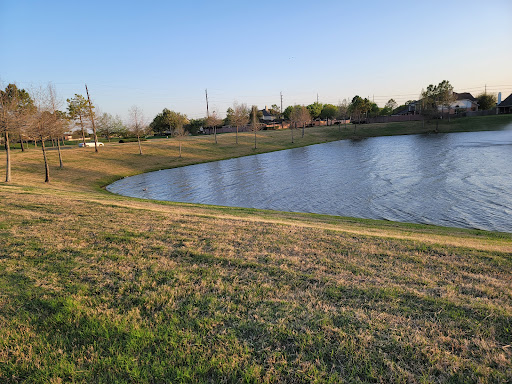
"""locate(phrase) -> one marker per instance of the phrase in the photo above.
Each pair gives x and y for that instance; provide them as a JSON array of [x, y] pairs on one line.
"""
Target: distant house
[[266, 115], [413, 108], [463, 102], [505, 106]]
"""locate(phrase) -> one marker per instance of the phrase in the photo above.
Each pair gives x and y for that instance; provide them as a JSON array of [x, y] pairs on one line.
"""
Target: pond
[[455, 179]]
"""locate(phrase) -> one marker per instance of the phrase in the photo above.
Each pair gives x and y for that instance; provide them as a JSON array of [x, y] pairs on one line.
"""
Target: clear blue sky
[[163, 54]]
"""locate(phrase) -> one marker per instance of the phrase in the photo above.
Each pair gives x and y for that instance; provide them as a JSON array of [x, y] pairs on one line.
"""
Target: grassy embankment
[[102, 288]]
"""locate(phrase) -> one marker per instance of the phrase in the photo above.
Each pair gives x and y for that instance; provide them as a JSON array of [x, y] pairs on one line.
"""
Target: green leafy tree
[[160, 123], [486, 101], [436, 98], [329, 111], [229, 116], [194, 125], [315, 110], [275, 110], [287, 112]]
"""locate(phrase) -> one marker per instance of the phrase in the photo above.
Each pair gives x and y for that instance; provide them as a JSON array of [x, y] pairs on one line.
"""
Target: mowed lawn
[[96, 287]]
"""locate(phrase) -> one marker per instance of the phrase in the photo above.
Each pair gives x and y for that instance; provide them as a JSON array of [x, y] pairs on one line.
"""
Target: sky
[[164, 54]]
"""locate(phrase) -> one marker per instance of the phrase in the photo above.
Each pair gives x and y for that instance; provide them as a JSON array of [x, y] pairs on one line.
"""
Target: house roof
[[464, 96], [265, 112], [507, 102]]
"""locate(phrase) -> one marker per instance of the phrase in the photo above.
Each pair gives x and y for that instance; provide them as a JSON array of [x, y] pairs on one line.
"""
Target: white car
[[90, 144]]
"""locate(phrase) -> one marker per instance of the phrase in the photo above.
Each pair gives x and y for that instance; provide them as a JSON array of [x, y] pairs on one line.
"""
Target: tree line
[[37, 117]]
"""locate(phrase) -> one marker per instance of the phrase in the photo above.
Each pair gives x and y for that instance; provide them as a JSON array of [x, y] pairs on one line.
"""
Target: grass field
[[96, 287]]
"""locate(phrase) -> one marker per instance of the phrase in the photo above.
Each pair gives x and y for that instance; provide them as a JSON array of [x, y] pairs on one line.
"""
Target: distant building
[[463, 102], [266, 115], [413, 108], [505, 106]]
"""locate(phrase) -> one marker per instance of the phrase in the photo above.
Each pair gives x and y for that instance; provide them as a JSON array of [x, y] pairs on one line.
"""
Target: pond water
[[455, 179]]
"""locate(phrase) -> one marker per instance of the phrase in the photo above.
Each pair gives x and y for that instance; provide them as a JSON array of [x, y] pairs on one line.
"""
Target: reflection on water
[[458, 179]]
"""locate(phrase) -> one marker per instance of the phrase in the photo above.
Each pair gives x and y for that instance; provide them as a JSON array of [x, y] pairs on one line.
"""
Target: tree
[[275, 110], [315, 110], [486, 101], [15, 107], [229, 116], [343, 110], [435, 98], [138, 125], [160, 123], [78, 111], [239, 117], [213, 121], [255, 122], [299, 116], [287, 112], [46, 122], [108, 126], [389, 107], [58, 125], [177, 121], [194, 125], [356, 108], [329, 111]]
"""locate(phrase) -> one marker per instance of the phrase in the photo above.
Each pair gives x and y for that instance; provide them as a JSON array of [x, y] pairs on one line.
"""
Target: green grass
[[101, 288]]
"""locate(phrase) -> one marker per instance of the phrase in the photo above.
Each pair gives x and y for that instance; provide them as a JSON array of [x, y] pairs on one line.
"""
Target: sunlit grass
[[101, 288]]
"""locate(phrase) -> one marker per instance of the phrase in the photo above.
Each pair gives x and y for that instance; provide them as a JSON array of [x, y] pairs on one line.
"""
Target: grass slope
[[102, 288]]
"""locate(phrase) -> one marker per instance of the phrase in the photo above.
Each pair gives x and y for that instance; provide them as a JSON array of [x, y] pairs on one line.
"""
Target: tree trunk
[[255, 140], [140, 148], [83, 132], [237, 134], [180, 146], [215, 133], [291, 129], [8, 156], [46, 166], [21, 142], [303, 127], [35, 143], [61, 164]]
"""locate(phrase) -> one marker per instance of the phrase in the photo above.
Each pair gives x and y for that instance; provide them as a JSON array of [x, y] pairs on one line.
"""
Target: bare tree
[[255, 123], [138, 124], [213, 121], [45, 121], [240, 117], [78, 110], [15, 107], [177, 122], [299, 116], [343, 110], [57, 127]]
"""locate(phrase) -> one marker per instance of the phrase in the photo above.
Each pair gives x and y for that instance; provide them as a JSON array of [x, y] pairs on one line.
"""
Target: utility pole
[[92, 120], [207, 114], [281, 94]]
